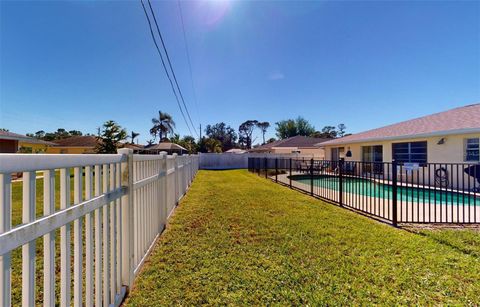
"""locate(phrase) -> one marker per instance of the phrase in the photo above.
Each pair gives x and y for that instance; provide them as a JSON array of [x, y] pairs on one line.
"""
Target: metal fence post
[[127, 219], [394, 193], [290, 170], [311, 177], [341, 163], [276, 169], [257, 165], [266, 168]]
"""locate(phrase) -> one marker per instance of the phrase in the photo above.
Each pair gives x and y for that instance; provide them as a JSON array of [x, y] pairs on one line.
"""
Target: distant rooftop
[[165, 146], [77, 141], [455, 121], [7, 135], [298, 141]]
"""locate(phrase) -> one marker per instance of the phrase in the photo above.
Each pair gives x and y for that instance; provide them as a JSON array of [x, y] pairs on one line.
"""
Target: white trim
[[11, 163], [400, 137]]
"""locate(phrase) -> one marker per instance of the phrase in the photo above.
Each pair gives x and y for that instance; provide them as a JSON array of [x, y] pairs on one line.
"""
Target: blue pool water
[[367, 187]]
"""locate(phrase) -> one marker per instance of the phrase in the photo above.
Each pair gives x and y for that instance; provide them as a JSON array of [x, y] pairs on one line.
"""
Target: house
[[236, 151], [447, 137], [167, 147], [299, 144], [74, 145], [135, 147], [13, 142]]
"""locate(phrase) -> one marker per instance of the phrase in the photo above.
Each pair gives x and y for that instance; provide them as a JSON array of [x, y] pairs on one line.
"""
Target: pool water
[[367, 187]]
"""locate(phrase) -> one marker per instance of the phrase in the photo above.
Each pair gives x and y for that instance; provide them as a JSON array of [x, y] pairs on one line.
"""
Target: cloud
[[276, 75]]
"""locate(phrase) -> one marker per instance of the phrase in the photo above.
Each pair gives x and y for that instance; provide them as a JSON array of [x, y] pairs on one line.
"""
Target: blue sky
[[76, 64]]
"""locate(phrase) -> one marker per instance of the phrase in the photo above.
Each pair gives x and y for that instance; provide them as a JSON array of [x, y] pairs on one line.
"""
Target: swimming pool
[[366, 187]]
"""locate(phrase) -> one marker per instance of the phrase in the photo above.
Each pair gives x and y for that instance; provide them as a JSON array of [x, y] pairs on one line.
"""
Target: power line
[[164, 66], [188, 58], [171, 67]]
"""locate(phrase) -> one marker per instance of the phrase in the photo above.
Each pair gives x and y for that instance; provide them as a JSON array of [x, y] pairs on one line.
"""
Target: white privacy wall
[[219, 161], [121, 203]]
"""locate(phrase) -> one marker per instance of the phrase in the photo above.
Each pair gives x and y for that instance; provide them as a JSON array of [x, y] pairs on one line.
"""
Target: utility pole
[[200, 132]]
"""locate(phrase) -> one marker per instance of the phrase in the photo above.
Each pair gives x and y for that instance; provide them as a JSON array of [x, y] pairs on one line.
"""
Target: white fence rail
[[121, 203]]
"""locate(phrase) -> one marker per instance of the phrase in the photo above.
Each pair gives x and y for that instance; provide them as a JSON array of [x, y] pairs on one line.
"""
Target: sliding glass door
[[374, 155]]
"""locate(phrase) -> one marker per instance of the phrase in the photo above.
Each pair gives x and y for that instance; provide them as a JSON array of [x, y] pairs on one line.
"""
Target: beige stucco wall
[[452, 151]]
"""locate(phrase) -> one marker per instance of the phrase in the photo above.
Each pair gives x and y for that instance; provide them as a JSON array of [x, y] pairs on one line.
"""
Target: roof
[[165, 146], [132, 146], [298, 141], [236, 151], [455, 121], [77, 141], [7, 135]]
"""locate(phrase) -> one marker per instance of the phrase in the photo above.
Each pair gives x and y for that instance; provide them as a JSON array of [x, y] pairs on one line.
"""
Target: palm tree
[[162, 125], [133, 135], [263, 127]]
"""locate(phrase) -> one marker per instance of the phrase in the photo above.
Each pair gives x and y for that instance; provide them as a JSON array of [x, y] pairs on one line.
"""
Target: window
[[472, 149], [372, 153], [412, 152], [337, 153]]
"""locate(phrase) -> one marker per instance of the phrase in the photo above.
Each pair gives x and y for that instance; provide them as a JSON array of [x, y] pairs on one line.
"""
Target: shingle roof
[[455, 121], [294, 141], [7, 135], [132, 146], [165, 146], [77, 141]]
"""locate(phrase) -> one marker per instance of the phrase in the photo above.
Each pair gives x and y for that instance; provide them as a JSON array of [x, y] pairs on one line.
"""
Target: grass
[[238, 239]]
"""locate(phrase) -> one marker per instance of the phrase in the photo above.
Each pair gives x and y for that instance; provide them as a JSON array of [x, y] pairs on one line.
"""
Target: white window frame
[[466, 148], [410, 153]]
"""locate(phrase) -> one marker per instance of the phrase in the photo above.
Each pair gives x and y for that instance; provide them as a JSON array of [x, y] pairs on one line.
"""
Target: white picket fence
[[121, 205]]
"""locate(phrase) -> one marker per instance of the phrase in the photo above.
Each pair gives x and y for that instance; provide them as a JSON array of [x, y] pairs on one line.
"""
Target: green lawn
[[239, 239]]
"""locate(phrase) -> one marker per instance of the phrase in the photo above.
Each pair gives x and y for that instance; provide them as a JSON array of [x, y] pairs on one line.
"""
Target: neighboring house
[[34, 145], [74, 145], [135, 147], [447, 137], [236, 151], [13, 142], [168, 147], [303, 145]]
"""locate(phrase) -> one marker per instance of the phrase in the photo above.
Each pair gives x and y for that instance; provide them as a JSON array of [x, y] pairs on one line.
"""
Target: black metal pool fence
[[391, 191]]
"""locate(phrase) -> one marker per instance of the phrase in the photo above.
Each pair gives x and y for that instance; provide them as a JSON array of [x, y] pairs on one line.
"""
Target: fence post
[[175, 174], [266, 168], [394, 193], [164, 190], [127, 218], [276, 169], [290, 170], [341, 163], [311, 177]]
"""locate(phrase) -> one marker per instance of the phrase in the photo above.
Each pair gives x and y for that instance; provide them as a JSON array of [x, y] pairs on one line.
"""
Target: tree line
[[218, 137]]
